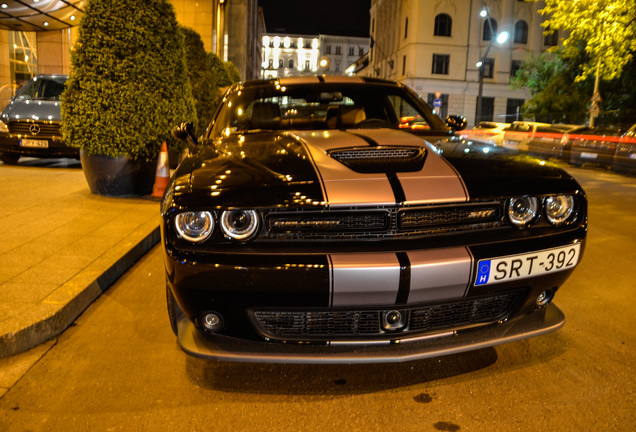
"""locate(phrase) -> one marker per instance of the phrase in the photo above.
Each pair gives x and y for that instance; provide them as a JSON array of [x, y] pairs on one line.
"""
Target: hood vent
[[381, 159]]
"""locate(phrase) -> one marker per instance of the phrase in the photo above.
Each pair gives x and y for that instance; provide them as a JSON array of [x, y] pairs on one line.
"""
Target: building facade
[[299, 55], [433, 46]]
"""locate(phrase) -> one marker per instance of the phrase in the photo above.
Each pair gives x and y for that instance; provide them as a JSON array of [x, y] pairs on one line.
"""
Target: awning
[[40, 15]]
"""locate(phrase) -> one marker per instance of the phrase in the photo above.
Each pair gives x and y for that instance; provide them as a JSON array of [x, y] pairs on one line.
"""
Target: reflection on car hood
[[43, 110], [296, 169]]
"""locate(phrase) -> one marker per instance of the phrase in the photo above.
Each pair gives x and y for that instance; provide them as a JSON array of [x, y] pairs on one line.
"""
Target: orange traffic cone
[[163, 173]]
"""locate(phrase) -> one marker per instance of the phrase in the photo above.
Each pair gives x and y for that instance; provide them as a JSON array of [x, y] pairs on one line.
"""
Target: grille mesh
[[46, 129], [385, 223], [350, 324]]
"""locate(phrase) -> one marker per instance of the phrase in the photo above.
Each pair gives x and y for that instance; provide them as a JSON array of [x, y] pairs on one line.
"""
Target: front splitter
[[224, 348]]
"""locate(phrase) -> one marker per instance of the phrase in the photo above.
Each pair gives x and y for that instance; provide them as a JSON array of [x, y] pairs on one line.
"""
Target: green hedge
[[128, 85]]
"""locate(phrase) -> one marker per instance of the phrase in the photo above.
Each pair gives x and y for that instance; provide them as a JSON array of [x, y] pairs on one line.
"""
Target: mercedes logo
[[34, 129]]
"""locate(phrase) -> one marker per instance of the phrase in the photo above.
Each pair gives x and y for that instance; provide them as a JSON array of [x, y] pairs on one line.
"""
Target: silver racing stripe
[[436, 182], [373, 279], [341, 185]]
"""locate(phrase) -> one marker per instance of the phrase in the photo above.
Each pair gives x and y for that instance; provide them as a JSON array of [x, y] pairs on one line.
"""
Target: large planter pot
[[118, 176]]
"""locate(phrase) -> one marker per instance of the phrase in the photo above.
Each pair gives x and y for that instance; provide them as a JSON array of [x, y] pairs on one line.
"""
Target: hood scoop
[[381, 159]]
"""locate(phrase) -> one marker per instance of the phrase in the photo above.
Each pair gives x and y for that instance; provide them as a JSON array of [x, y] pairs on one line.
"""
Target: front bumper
[[10, 145], [225, 348]]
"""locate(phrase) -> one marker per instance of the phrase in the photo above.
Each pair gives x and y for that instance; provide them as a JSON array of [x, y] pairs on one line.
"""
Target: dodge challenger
[[339, 220]]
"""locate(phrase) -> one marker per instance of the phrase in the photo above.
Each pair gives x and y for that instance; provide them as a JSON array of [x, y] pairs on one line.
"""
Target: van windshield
[[42, 88]]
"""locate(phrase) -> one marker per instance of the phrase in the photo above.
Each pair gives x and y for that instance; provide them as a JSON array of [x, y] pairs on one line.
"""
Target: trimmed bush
[[128, 84]]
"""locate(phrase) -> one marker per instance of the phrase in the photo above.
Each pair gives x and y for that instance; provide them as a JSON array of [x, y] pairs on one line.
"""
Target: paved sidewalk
[[61, 247]]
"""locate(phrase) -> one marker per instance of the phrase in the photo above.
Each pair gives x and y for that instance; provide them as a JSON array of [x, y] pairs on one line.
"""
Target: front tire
[[174, 311], [9, 159]]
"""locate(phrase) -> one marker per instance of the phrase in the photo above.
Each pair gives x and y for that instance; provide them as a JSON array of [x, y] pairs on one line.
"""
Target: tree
[[128, 85], [202, 79], [556, 97], [605, 28]]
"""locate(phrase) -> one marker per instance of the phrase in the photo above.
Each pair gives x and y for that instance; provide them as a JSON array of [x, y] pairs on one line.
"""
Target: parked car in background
[[30, 123], [490, 132], [310, 225], [625, 156], [552, 141], [596, 145], [519, 134]]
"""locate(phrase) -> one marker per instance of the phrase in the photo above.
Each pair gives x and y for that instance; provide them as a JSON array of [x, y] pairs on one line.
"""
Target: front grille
[[381, 223], [333, 325], [23, 128]]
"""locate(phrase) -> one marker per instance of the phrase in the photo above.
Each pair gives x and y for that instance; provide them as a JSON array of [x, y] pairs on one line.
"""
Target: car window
[[40, 88], [318, 108]]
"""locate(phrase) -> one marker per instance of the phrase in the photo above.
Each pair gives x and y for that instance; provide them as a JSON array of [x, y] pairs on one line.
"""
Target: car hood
[[45, 110], [300, 169]]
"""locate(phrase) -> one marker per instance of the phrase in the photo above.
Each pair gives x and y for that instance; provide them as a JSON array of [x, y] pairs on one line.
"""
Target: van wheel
[[9, 159]]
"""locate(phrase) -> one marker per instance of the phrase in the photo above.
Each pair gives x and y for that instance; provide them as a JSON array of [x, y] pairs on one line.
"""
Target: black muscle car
[[335, 219]]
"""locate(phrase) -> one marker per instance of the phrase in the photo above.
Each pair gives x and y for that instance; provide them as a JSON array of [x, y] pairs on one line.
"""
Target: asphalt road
[[119, 367]]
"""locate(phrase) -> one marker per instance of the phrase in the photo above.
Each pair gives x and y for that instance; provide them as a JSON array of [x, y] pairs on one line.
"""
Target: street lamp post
[[501, 39]]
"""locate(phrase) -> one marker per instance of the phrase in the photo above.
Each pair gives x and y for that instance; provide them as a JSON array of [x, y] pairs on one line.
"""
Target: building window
[[406, 27], [513, 109], [280, 63], [521, 32], [487, 35], [337, 66], [487, 109], [22, 56], [352, 51], [338, 50], [551, 39], [271, 63], [307, 65], [403, 65], [489, 67], [514, 67], [291, 63], [328, 49], [440, 64], [443, 25]]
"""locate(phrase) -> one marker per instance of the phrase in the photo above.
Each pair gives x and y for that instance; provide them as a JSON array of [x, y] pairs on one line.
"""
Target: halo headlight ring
[[523, 211], [194, 226], [558, 209], [240, 225]]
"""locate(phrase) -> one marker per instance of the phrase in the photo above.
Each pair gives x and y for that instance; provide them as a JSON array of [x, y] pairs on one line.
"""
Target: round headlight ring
[[522, 211], [240, 225], [194, 226], [558, 208]]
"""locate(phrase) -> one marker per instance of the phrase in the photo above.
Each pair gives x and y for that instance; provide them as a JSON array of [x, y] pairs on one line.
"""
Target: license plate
[[504, 269], [589, 155], [34, 143]]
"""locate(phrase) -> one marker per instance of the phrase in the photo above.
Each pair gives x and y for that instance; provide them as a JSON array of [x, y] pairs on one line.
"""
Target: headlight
[[558, 208], [523, 211], [239, 224], [3, 127], [194, 226]]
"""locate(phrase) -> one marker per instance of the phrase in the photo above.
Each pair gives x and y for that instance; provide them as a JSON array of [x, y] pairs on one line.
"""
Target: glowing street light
[[501, 38]]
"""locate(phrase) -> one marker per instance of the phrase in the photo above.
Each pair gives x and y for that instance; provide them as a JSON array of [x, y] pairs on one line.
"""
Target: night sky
[[329, 17]]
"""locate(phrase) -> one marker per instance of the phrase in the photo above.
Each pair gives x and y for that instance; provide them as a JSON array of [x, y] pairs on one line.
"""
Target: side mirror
[[185, 131], [456, 122]]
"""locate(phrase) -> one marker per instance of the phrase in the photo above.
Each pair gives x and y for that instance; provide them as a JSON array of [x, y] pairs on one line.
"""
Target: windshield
[[42, 88], [321, 107]]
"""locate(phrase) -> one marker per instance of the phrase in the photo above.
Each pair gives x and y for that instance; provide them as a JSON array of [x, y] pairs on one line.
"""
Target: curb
[[58, 311]]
